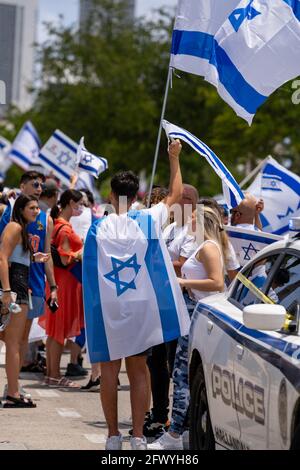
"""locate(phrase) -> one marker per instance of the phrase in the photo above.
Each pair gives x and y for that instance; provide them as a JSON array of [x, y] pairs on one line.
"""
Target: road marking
[[96, 438], [12, 446], [47, 393], [68, 413]]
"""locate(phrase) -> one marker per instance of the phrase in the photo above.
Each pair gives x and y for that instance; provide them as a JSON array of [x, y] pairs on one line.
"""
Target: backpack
[[54, 251]]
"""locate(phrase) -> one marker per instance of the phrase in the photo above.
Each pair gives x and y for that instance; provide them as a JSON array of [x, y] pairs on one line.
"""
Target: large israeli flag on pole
[[132, 300], [246, 49], [5, 161], [59, 156], [280, 190], [26, 146], [247, 243], [232, 192], [90, 163]]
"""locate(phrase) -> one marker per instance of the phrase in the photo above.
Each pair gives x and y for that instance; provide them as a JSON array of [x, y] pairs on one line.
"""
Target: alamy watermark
[[2, 92], [296, 94]]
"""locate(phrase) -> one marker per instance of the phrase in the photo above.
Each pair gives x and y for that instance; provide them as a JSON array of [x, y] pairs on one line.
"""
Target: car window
[[285, 287], [258, 274]]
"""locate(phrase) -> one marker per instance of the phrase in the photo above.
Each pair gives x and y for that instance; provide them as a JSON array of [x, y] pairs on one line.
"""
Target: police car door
[[252, 375]]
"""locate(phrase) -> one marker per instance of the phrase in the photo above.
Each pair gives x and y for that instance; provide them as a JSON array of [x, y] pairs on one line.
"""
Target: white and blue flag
[[5, 161], [90, 163], [247, 243], [132, 300], [280, 190], [25, 148], [246, 49], [59, 156], [232, 192]]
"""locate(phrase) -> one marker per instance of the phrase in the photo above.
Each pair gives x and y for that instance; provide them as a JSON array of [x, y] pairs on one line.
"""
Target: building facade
[[18, 28], [87, 6]]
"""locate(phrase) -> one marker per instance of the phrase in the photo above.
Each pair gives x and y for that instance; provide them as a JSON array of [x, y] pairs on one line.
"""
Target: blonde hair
[[214, 230]]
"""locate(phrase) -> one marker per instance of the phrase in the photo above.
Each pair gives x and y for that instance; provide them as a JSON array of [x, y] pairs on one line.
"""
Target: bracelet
[[52, 288], [6, 291]]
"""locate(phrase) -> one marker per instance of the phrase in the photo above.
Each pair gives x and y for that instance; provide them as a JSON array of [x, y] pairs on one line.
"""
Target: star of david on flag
[[90, 163], [132, 300], [280, 190], [249, 251], [247, 49], [119, 266], [247, 243]]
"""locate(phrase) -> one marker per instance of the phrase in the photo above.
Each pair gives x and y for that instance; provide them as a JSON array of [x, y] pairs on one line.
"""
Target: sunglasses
[[234, 211], [37, 184]]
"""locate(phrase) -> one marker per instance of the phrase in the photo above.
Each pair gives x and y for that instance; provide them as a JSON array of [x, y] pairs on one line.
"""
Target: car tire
[[201, 432], [296, 439]]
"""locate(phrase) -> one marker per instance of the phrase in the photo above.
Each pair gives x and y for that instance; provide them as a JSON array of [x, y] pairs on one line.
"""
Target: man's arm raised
[[176, 187]]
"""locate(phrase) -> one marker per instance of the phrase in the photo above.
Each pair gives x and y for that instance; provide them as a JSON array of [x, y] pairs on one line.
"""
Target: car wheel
[[201, 432], [296, 439]]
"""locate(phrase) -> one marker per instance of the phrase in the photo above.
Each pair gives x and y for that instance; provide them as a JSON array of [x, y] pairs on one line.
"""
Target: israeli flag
[[89, 162], [232, 192], [25, 148], [280, 190], [59, 156], [5, 161], [132, 300], [246, 49], [247, 243]]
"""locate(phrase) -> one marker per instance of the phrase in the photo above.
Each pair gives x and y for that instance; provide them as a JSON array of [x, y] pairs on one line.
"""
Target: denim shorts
[[38, 307], [19, 279]]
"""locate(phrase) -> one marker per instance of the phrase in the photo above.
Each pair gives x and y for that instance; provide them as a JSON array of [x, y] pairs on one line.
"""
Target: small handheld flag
[[89, 162], [233, 194]]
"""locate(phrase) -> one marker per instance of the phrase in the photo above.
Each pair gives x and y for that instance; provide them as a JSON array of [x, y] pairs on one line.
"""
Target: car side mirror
[[264, 317]]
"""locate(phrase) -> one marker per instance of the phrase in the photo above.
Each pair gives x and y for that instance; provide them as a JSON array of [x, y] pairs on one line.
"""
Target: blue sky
[[49, 10]]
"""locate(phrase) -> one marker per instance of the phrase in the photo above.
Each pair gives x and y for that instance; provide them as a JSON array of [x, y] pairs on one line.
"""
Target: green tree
[[106, 81]]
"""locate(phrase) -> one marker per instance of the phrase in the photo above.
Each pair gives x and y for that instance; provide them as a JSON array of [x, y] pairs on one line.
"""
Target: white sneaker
[[114, 442], [138, 443], [167, 442]]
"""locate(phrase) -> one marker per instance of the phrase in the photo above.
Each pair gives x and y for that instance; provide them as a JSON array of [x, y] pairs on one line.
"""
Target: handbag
[[54, 251]]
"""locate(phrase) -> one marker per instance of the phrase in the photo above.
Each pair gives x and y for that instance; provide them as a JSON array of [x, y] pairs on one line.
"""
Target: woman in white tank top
[[203, 275], [203, 272]]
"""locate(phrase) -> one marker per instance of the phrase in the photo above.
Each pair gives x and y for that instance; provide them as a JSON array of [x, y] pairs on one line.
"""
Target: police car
[[244, 357]]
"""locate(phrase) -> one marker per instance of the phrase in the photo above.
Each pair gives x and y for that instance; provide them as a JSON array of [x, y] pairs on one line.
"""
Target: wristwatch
[[52, 288]]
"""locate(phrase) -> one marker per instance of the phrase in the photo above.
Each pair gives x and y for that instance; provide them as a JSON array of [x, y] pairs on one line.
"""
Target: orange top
[[66, 232]]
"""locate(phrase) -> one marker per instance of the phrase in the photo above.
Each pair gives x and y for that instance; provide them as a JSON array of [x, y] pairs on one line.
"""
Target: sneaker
[[75, 370], [167, 442], [153, 429], [114, 443], [138, 443], [92, 385]]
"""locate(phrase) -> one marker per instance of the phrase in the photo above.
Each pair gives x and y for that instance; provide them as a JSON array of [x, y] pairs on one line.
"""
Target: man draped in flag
[[132, 300]]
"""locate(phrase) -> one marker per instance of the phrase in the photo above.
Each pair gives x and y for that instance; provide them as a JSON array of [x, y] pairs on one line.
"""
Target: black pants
[[160, 382]]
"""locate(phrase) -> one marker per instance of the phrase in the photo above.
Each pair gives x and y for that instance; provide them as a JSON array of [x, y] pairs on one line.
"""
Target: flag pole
[[253, 172], [159, 134]]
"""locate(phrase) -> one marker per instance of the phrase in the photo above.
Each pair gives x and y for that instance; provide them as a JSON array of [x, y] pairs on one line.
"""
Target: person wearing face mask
[[68, 320]]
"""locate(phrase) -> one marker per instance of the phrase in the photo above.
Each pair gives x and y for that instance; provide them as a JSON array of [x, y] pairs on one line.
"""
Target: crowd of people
[[41, 253]]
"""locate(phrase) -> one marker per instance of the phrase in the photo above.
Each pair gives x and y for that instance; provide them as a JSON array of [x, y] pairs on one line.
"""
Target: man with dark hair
[[128, 308], [40, 233], [49, 196]]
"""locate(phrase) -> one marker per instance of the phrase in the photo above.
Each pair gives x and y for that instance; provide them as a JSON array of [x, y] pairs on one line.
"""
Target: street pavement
[[64, 419]]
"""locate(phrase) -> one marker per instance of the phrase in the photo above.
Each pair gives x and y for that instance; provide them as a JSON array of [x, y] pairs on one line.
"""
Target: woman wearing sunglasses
[[15, 258]]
